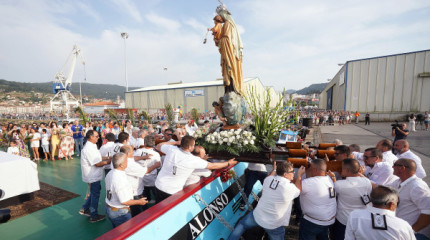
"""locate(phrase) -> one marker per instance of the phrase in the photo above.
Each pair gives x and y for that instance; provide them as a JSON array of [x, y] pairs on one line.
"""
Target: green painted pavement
[[60, 221]]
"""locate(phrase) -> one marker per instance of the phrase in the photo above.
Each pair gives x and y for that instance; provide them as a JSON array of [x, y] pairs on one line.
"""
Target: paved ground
[[368, 136]]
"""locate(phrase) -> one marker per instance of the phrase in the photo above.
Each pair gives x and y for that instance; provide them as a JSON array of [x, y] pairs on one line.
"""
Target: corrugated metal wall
[[153, 100], [383, 85]]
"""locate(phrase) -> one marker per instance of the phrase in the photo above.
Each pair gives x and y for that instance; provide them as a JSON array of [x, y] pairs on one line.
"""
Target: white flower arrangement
[[232, 141]]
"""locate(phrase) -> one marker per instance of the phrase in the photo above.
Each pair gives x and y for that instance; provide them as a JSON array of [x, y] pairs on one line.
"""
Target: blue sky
[[287, 44]]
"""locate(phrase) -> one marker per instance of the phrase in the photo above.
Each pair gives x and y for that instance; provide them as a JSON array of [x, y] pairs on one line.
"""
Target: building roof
[[391, 55], [186, 85], [100, 104]]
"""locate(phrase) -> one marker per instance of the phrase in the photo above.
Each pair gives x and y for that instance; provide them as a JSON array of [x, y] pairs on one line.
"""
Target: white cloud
[[165, 23], [129, 8]]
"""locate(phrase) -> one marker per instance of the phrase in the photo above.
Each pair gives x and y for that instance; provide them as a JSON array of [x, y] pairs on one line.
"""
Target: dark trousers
[[136, 209], [338, 230], [92, 201], [147, 192], [160, 195], [366, 121], [251, 178], [310, 231]]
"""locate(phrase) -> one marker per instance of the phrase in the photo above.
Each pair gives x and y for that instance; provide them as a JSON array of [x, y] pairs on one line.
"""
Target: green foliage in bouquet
[[146, 116], [82, 115], [269, 118], [195, 115], [113, 115], [169, 112], [130, 115], [233, 142]]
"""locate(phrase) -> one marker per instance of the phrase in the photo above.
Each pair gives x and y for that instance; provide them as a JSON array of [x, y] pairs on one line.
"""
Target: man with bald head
[[414, 195], [379, 221], [403, 151], [386, 147]]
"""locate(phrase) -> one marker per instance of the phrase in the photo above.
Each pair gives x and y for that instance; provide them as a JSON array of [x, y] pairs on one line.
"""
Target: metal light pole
[[124, 35]]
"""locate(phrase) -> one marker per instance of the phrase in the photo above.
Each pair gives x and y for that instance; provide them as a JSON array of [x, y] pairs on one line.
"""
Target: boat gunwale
[[133, 225]]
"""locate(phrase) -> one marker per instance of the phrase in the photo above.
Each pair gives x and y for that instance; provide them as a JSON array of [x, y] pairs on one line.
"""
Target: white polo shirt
[[421, 173], [381, 174], [317, 205], [359, 157], [359, 226], [349, 193], [90, 156], [274, 208], [414, 195], [259, 167], [389, 157], [177, 167], [139, 142], [149, 178], [135, 173], [107, 151], [118, 189]]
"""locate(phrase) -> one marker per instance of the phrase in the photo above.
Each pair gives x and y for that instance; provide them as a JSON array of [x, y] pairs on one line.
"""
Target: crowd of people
[[379, 193]]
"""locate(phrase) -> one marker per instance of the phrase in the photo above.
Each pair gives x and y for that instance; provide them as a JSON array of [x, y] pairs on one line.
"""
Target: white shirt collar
[[408, 180], [381, 211]]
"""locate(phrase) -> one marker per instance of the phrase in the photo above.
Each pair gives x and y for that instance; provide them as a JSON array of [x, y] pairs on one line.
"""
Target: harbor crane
[[63, 100]]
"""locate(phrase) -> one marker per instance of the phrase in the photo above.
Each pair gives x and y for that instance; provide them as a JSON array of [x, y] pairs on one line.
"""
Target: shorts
[[35, 144], [45, 148], [426, 121]]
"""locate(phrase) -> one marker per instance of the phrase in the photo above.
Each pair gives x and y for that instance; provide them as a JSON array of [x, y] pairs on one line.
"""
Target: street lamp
[[124, 35]]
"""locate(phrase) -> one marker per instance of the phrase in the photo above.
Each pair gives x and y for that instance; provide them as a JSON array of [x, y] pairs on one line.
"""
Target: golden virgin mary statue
[[230, 47]]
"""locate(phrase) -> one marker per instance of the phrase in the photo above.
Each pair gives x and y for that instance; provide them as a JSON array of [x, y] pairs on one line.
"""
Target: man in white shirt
[[191, 127], [178, 166], [379, 221], [378, 172], [403, 151], [92, 173], [318, 202], [273, 211], [195, 176], [386, 147], [107, 150], [135, 174], [133, 137], [414, 197], [149, 178], [352, 193], [119, 193], [141, 136]]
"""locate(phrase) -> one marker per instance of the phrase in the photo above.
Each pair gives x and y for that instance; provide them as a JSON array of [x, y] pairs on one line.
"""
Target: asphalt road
[[368, 136]]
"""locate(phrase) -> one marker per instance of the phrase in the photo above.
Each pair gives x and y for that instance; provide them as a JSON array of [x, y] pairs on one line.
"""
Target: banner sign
[[194, 93]]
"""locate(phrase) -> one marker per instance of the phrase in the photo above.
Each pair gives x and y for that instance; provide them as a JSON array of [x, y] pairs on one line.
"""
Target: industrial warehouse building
[[388, 87], [199, 95]]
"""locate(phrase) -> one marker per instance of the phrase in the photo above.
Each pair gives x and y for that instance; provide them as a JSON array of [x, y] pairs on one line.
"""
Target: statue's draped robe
[[231, 65]]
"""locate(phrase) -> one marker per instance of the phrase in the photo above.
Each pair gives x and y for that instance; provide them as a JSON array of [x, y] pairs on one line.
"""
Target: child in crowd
[[35, 142], [45, 144], [13, 149]]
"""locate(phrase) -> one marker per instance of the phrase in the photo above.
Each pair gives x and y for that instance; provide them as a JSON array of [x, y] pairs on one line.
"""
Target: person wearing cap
[[119, 193], [379, 221]]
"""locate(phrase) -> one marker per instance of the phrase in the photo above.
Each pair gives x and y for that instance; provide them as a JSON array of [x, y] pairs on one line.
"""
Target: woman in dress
[[19, 137], [105, 131], [55, 140], [67, 144], [412, 119]]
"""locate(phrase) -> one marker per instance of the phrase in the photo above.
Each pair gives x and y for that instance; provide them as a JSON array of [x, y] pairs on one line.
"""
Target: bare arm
[[132, 202], [221, 164], [298, 181], [153, 167], [422, 222], [166, 143], [102, 163]]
